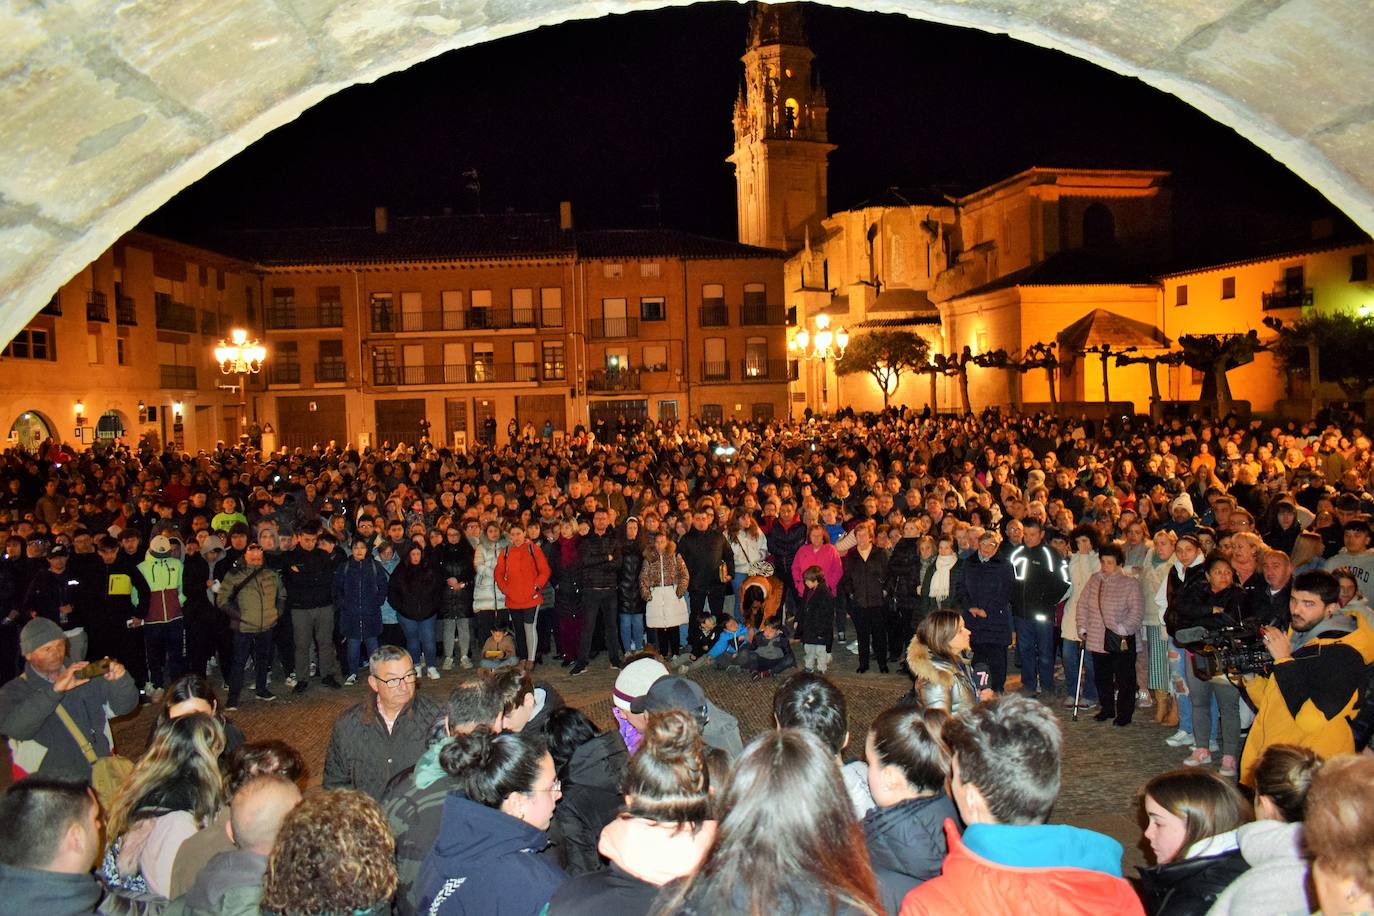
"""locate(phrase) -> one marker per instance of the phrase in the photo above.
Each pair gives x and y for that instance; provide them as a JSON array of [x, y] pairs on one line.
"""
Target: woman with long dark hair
[[664, 831], [414, 592], [1192, 820], [785, 805]]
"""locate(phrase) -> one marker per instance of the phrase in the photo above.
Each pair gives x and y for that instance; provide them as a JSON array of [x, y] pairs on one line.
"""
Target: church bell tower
[[781, 143]]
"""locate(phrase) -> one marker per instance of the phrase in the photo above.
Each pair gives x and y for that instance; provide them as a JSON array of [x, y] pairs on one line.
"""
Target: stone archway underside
[[109, 108]]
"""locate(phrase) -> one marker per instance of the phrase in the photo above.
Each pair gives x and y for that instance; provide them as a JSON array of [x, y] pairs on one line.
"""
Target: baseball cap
[[673, 692], [160, 546], [59, 551]]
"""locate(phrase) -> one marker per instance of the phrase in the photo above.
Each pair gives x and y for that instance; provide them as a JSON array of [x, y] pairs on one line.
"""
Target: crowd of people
[[1212, 572]]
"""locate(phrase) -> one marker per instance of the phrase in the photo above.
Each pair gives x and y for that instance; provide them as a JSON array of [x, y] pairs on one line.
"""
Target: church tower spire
[[781, 141]]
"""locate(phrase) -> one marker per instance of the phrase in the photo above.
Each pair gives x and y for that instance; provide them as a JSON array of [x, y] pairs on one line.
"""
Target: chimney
[[379, 220], [565, 215]]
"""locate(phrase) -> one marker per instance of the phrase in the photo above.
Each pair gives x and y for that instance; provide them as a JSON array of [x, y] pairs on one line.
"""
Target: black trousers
[[868, 621], [667, 638], [898, 623], [995, 657], [259, 646], [1114, 674], [697, 601], [599, 606], [284, 645]]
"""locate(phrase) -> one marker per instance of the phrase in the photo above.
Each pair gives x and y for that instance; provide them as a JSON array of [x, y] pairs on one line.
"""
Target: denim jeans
[[1035, 648], [420, 640], [632, 632], [1073, 655], [352, 662], [1181, 669], [164, 645]]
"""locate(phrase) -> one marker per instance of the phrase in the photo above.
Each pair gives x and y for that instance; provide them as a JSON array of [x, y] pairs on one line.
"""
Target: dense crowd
[[1212, 572]]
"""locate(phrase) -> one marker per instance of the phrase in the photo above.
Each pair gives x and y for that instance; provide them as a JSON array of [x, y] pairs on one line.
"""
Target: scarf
[[939, 581]]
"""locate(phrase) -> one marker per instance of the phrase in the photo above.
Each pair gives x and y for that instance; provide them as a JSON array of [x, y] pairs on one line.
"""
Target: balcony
[[390, 321], [456, 374], [763, 370], [178, 376], [174, 316], [97, 306], [715, 372], [1288, 298], [613, 328], [715, 314], [761, 313], [332, 370], [126, 313], [612, 380], [289, 316], [54, 306], [284, 373]]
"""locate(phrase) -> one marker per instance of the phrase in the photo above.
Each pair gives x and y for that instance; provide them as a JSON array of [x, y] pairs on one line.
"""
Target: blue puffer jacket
[[360, 588], [485, 863]]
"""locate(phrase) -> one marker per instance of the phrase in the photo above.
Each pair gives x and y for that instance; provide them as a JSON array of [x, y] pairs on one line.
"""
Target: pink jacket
[[824, 556], [1110, 603]]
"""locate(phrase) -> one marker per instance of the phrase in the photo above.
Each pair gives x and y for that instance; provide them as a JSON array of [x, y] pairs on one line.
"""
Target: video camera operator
[[1311, 695]]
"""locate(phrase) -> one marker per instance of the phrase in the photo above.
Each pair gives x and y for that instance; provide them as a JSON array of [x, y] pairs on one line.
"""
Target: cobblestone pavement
[[1104, 766]]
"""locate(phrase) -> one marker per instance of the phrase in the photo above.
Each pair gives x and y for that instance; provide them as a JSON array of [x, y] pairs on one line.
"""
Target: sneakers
[[314, 669], [1199, 758], [1179, 738], [232, 707], [266, 696], [433, 673], [1228, 766], [1143, 700], [350, 680], [578, 668], [333, 683], [291, 680], [448, 664], [465, 662]]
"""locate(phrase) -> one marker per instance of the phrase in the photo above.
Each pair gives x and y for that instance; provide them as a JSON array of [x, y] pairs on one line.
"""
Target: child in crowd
[[772, 652], [499, 649], [730, 648], [816, 620]]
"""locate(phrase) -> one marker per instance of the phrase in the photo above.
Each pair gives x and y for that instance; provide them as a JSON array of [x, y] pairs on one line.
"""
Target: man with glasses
[[374, 740]]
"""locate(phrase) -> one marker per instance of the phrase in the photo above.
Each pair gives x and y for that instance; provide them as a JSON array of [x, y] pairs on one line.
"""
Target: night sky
[[608, 112]]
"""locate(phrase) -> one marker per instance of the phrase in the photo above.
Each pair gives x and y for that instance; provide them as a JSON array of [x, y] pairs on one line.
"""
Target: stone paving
[[1104, 766]]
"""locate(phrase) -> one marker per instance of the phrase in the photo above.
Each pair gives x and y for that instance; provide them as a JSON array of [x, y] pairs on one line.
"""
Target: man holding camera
[[1310, 697]]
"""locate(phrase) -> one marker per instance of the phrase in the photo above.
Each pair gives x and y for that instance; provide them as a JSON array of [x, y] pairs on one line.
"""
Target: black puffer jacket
[[631, 600], [1189, 887], [904, 576], [862, 583], [591, 798], [455, 561], [599, 559], [414, 590], [906, 844]]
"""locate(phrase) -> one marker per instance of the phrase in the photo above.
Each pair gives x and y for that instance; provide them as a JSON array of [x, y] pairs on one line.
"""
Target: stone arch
[[111, 108], [30, 430], [112, 424]]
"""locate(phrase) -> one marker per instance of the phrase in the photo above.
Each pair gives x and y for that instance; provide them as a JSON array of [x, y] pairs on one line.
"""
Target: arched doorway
[[110, 426], [30, 430]]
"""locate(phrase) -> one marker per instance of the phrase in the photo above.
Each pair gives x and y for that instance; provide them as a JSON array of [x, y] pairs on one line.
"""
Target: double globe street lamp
[[819, 346]]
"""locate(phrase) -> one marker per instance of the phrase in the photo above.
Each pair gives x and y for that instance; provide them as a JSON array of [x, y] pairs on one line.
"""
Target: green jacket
[[165, 597], [255, 607]]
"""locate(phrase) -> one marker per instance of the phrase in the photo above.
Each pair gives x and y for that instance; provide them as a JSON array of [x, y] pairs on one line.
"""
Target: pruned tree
[[1129, 357], [886, 356], [1216, 355], [957, 366], [1037, 356], [1339, 343]]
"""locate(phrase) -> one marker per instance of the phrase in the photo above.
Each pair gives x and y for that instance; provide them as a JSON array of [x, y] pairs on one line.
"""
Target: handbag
[[724, 571], [107, 773], [1115, 644]]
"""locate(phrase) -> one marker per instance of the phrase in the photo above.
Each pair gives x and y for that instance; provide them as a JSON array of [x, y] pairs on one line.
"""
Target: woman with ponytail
[[664, 831], [487, 857]]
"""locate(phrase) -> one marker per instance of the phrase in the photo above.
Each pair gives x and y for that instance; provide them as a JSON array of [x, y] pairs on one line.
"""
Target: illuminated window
[[648, 269]]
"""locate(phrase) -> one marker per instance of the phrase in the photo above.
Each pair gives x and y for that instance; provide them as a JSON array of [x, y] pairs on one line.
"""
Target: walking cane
[[1078, 693]]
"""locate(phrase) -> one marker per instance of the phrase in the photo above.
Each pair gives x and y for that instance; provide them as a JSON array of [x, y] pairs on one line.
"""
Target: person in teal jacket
[[160, 620]]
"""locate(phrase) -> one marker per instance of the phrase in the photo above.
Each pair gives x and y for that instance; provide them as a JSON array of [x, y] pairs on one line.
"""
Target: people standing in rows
[[865, 574], [308, 575]]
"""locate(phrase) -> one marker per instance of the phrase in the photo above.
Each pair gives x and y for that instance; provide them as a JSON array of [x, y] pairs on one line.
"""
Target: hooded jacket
[[33, 891], [1189, 887], [360, 590], [1276, 882], [1042, 581], [1032, 870], [816, 617], [165, 597], [521, 573], [485, 863], [1311, 698], [414, 590], [987, 585], [906, 844], [940, 683], [644, 856], [591, 798], [771, 589], [414, 806], [456, 561], [784, 540]]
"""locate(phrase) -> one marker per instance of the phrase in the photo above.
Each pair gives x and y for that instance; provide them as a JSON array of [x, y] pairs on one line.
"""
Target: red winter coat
[[521, 573]]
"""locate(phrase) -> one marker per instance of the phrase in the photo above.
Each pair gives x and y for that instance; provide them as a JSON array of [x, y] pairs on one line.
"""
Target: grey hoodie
[[1276, 883]]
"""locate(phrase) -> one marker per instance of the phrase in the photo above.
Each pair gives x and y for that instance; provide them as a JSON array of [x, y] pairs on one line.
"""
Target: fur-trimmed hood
[[926, 667], [771, 586]]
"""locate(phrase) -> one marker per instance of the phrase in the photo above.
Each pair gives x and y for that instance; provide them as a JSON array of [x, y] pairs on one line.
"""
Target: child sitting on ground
[[772, 652], [703, 638], [816, 620], [499, 649], [730, 647]]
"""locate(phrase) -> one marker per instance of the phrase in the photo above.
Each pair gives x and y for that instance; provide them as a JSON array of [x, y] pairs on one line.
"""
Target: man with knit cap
[[40, 741]]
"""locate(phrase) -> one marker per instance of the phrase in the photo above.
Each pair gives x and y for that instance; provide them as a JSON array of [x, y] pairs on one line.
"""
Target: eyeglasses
[[556, 787], [409, 677]]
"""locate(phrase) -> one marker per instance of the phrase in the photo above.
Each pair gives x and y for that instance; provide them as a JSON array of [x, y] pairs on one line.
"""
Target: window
[[1228, 287], [713, 313], [483, 362], [1292, 278], [330, 305], [712, 294], [554, 367], [285, 366], [755, 294], [714, 367], [711, 414], [612, 271], [479, 316], [331, 366], [1359, 268], [551, 304], [648, 270], [451, 309], [653, 308], [93, 349], [119, 351], [384, 366], [981, 341], [32, 343], [522, 307], [1181, 294], [762, 412], [383, 315], [756, 357], [656, 358]]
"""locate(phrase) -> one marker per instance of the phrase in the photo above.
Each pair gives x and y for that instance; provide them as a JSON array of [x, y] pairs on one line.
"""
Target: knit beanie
[[39, 632], [635, 679]]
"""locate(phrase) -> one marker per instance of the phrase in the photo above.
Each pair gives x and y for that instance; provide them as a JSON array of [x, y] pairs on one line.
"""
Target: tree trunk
[[963, 389], [1106, 385], [1156, 402], [1223, 389], [934, 405], [1314, 374], [1054, 398]]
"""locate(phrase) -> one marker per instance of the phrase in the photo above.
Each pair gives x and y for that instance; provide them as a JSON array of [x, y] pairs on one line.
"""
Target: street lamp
[[242, 357], [820, 346]]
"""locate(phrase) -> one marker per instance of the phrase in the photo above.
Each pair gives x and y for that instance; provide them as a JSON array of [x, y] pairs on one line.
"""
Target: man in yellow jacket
[[1311, 696]]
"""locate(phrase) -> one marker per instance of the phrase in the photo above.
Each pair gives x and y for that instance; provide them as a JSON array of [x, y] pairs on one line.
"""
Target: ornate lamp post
[[242, 357], [820, 346]]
